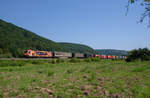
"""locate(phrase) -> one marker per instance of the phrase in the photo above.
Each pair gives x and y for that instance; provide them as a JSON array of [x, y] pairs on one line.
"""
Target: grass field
[[104, 78]]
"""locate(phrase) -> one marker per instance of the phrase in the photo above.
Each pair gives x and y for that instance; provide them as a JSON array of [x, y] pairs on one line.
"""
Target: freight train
[[49, 54]]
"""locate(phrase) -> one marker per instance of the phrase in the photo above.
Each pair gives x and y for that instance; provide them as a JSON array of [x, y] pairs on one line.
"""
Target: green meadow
[[74, 79]]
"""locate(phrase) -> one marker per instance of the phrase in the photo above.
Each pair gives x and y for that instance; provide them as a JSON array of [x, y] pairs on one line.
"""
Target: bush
[[140, 54], [96, 59], [21, 63], [87, 59], [37, 62], [128, 60], [69, 71], [1, 95], [60, 60], [74, 60], [12, 63], [54, 61], [49, 73], [8, 55]]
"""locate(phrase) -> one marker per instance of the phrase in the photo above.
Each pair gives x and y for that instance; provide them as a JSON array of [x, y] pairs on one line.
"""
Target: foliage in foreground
[[146, 6], [94, 79], [14, 62]]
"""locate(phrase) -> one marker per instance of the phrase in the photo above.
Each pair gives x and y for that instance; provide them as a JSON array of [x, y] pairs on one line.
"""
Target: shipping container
[[110, 57], [117, 57], [114, 57], [97, 55], [120, 57], [103, 56], [88, 55], [124, 57]]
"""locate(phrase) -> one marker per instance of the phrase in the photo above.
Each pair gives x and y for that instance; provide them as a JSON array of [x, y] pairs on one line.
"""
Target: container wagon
[[88, 55], [120, 57], [114, 57], [97, 55], [103, 56], [109, 57]]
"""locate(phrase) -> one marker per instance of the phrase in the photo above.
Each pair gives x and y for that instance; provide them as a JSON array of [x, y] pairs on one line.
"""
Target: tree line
[[141, 54]]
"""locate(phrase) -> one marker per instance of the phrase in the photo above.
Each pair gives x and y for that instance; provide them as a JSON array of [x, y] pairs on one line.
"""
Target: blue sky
[[101, 24]]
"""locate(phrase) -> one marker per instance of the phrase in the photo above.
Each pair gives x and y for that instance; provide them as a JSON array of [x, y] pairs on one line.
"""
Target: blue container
[[120, 57]]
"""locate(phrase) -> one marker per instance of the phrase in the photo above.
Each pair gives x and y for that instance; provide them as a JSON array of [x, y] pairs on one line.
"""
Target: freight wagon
[[120, 57], [77, 55], [103, 56], [97, 55], [88, 55], [109, 57], [62, 55], [117, 57]]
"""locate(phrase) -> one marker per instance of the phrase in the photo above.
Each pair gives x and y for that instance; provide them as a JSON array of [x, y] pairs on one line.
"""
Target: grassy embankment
[[101, 78]]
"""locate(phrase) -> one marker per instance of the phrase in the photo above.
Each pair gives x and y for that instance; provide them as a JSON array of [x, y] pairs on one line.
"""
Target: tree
[[1, 51], [146, 5], [139, 54]]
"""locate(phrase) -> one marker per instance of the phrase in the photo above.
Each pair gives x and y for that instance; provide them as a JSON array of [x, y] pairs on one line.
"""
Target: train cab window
[[25, 51], [41, 53], [45, 53]]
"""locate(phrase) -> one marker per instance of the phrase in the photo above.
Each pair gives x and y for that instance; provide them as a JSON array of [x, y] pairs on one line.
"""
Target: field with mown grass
[[63, 79]]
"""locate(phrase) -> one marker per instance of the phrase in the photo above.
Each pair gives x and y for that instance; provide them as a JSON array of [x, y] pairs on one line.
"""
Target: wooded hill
[[14, 40], [77, 48]]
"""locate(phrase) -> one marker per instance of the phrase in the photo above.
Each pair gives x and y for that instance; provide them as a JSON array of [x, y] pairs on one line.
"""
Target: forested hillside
[[111, 52], [14, 40], [78, 48]]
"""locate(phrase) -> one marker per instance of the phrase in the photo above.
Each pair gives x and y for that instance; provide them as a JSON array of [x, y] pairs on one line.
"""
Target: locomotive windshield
[[41, 53], [25, 51]]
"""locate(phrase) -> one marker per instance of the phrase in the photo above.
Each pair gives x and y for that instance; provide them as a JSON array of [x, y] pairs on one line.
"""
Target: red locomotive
[[32, 53]]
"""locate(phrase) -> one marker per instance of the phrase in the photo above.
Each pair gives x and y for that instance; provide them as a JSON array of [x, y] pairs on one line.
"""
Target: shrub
[[21, 63], [139, 54], [128, 60], [49, 73], [12, 63], [40, 71], [74, 60], [54, 61], [8, 55], [13, 94], [69, 71], [1, 95], [87, 59], [37, 62], [96, 59], [60, 60]]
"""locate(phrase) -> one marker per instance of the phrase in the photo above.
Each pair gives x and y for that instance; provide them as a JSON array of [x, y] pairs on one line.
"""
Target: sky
[[100, 24]]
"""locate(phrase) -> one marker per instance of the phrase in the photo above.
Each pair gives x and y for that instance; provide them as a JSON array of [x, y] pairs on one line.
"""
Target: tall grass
[[13, 62], [99, 78]]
